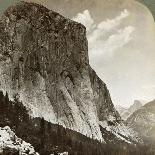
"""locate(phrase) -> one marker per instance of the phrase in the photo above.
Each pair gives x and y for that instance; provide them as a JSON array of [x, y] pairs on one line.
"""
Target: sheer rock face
[[102, 99], [44, 60]]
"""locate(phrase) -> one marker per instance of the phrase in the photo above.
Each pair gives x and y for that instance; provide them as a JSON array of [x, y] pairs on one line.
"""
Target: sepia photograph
[[77, 77]]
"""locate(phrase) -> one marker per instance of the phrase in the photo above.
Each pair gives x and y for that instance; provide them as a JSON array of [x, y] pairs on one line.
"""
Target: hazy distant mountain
[[126, 112], [120, 109], [143, 121]]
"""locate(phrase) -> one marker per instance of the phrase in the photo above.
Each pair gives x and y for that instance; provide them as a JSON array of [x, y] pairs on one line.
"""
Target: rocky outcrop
[[44, 63], [11, 144]]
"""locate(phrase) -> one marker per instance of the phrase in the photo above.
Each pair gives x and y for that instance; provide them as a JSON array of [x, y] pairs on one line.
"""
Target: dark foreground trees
[[48, 138]]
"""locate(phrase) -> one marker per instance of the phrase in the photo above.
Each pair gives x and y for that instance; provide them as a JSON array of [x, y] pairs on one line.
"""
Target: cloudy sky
[[121, 36]]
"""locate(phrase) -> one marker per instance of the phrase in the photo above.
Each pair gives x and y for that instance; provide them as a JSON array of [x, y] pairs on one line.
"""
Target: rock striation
[[44, 63]]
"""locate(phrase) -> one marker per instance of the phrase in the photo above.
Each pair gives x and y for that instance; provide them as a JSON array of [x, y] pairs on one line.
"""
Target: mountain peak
[[126, 112], [137, 102]]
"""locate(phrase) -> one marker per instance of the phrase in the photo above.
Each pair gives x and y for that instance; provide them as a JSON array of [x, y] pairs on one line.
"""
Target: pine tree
[[42, 134], [6, 98]]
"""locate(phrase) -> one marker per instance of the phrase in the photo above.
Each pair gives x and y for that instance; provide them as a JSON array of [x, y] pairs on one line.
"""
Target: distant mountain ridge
[[126, 112], [143, 121]]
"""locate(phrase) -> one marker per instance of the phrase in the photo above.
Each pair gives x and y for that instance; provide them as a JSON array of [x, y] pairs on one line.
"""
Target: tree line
[[48, 138]]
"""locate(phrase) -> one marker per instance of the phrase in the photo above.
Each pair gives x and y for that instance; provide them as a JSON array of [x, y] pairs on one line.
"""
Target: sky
[[121, 37]]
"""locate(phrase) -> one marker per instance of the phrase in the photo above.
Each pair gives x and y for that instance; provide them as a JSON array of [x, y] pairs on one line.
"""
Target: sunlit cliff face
[[121, 36]]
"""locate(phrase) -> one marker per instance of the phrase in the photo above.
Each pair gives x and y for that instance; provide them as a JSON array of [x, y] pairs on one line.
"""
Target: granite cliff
[[44, 63]]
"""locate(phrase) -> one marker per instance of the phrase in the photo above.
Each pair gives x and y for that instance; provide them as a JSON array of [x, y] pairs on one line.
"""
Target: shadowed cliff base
[[48, 138]]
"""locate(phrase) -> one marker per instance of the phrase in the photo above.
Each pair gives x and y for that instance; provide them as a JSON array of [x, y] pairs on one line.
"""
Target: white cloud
[[85, 19], [119, 39], [99, 47], [108, 25]]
